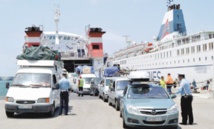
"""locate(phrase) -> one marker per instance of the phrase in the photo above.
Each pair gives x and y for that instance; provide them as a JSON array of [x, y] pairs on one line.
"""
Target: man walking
[[194, 85], [186, 100], [169, 83], [64, 87], [80, 85]]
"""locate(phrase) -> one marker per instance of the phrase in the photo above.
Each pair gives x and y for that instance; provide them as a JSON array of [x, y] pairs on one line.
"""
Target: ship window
[[198, 48], [65, 37], [175, 62], [187, 50], [210, 36], [170, 53], [50, 37], [193, 49], [96, 46], [205, 58], [210, 46], [212, 57], [193, 59], [188, 60], [179, 42], [178, 52], [182, 51], [204, 47], [68, 38], [199, 59]]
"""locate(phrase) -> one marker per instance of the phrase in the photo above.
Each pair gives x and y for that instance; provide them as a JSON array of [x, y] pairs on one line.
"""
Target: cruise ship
[[172, 51]]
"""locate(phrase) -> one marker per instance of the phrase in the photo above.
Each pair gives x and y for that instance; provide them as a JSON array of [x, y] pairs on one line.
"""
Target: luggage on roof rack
[[39, 53]]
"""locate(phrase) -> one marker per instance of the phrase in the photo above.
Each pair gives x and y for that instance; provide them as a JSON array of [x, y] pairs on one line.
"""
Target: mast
[[56, 20]]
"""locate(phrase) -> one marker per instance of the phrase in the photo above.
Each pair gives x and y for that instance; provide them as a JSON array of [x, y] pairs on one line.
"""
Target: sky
[[140, 19]]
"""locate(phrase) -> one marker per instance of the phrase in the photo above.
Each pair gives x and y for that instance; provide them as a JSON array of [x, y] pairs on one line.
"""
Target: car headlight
[[43, 100], [132, 110], [9, 99], [173, 109]]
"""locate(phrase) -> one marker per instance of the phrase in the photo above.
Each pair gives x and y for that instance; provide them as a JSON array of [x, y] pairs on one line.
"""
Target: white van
[[35, 88], [87, 82]]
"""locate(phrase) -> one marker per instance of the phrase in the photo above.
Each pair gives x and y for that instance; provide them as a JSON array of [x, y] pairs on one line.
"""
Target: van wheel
[[52, 112], [109, 103], [116, 105], [9, 114]]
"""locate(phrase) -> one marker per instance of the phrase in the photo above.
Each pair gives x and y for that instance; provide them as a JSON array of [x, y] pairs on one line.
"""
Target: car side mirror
[[173, 96], [56, 86], [7, 85]]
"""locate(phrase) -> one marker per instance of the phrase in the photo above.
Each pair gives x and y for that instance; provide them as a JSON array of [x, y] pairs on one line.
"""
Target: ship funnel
[[32, 37], [173, 22]]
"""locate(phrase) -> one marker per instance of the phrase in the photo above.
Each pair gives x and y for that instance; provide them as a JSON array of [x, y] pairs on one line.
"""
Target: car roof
[[121, 78], [149, 83]]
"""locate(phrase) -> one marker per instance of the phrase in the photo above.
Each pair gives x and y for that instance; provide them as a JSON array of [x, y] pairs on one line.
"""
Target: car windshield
[[121, 85], [32, 79], [144, 91], [88, 80], [108, 82]]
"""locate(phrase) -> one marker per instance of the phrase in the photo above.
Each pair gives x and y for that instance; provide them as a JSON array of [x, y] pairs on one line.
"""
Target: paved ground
[[92, 113]]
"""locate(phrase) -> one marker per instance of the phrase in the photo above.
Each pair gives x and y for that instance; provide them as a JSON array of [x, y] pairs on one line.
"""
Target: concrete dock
[[89, 112]]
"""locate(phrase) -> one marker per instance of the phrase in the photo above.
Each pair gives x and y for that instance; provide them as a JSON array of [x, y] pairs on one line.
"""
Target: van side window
[[113, 85], [54, 79]]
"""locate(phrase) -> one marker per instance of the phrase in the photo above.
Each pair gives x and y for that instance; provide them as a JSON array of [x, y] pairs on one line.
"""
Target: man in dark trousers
[[64, 87], [186, 100]]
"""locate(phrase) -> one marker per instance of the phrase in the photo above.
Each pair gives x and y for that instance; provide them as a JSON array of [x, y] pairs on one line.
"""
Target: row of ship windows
[[194, 49], [61, 37], [175, 62], [168, 54], [179, 61]]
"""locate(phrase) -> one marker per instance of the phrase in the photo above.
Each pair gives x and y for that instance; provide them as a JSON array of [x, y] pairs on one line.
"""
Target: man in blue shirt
[[186, 100], [64, 87]]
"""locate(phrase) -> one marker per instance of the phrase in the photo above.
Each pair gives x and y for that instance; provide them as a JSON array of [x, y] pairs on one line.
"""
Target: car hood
[[151, 103], [28, 93]]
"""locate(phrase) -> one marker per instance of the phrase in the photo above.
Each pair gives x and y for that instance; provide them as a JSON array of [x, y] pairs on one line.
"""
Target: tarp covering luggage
[[111, 71], [39, 53], [84, 70]]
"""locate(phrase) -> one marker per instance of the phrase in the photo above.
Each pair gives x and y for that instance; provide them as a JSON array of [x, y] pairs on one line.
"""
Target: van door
[[56, 92], [113, 92]]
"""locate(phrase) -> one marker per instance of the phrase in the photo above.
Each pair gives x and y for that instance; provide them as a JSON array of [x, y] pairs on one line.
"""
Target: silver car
[[116, 91], [148, 105], [103, 88]]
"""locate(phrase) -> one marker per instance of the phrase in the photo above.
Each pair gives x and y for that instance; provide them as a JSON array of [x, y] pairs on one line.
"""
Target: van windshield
[[88, 80], [32, 79]]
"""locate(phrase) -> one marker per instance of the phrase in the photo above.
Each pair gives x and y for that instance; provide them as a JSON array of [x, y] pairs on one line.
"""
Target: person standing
[[163, 82], [186, 100], [64, 87], [80, 85], [194, 85], [207, 85], [169, 83]]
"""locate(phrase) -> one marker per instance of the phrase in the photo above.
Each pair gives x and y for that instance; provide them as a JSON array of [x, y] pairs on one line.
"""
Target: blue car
[[145, 104]]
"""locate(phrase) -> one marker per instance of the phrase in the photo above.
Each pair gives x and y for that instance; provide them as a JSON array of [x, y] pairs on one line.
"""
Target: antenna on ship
[[169, 2], [56, 20], [129, 42]]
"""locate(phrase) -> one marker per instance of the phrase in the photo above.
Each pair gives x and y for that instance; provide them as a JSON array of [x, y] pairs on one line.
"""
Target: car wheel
[[9, 114], [109, 103], [104, 99], [116, 105], [174, 127], [124, 125], [52, 112]]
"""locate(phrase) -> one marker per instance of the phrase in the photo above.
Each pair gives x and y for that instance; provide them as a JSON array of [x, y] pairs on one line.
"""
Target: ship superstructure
[[172, 51]]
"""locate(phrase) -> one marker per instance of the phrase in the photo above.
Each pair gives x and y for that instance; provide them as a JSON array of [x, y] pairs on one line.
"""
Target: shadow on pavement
[[41, 115]]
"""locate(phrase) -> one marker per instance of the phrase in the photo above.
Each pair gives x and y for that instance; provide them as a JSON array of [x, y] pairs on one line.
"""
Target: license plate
[[25, 106], [154, 119]]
